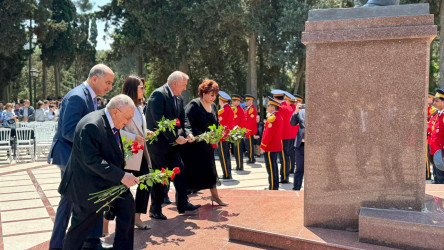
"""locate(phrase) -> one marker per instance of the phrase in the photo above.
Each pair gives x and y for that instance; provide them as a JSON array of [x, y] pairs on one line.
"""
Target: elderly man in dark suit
[[298, 117], [97, 162], [75, 105], [167, 102]]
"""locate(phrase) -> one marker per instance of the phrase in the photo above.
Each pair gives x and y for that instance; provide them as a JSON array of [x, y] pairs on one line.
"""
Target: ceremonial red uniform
[[286, 111], [239, 116], [430, 110], [272, 136], [437, 135], [251, 124], [226, 119]]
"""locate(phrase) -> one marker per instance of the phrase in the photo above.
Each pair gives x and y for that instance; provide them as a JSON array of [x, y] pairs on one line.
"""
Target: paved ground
[[29, 199]]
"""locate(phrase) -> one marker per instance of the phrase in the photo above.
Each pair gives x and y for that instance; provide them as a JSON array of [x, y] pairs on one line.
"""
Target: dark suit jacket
[[76, 104], [299, 118], [31, 113], [96, 161], [161, 104]]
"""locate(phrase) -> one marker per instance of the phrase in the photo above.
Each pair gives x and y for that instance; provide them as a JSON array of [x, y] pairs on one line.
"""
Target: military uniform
[[239, 120], [226, 119], [272, 145], [251, 126], [431, 113]]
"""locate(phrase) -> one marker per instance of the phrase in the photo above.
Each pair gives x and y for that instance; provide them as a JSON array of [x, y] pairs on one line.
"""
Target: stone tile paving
[[29, 199]]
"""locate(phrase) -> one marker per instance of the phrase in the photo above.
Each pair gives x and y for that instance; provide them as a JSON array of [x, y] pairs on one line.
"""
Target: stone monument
[[366, 84]]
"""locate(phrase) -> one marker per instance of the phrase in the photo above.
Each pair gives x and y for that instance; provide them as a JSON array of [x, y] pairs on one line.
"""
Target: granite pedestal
[[366, 86]]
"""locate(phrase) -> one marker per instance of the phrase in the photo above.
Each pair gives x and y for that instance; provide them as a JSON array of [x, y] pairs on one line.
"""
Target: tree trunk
[[299, 73], [261, 83], [252, 67], [186, 94], [140, 65], [57, 81], [44, 77], [441, 46]]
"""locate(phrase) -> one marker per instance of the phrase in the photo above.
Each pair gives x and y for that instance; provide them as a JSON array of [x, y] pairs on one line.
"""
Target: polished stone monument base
[[275, 220], [402, 229]]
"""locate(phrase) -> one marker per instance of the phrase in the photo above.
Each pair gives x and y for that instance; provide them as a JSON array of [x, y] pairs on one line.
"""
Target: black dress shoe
[[283, 181], [167, 201], [158, 216], [188, 207]]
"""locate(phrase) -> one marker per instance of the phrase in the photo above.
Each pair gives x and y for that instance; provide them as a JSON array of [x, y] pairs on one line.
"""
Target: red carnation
[[163, 170], [177, 122], [140, 147], [172, 176], [134, 151], [214, 145], [176, 170], [164, 182], [135, 143]]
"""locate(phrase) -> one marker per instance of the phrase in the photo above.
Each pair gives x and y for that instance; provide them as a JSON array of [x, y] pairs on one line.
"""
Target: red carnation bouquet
[[155, 176], [130, 147]]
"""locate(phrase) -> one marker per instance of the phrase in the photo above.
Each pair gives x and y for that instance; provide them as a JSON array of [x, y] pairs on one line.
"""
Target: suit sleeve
[[31, 114], [72, 114], [181, 129], [91, 144], [294, 119], [157, 106]]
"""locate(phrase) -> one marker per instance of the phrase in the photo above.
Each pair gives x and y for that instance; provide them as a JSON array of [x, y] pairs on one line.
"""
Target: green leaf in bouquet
[[149, 182], [142, 186]]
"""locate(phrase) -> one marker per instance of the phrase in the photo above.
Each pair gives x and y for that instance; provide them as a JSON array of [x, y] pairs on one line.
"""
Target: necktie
[[116, 136], [175, 101], [95, 103]]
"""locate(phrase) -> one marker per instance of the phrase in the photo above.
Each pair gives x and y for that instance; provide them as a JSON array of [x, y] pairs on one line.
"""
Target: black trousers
[[429, 164], [239, 154], [299, 174], [250, 148], [284, 158], [84, 218], [224, 157], [170, 161], [292, 155], [142, 196], [272, 169]]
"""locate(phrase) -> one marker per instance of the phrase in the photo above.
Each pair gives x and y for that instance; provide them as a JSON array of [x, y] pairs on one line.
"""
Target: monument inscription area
[[367, 77]]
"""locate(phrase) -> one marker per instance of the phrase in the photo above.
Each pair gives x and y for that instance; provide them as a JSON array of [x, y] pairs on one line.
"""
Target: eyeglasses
[[142, 87], [125, 116]]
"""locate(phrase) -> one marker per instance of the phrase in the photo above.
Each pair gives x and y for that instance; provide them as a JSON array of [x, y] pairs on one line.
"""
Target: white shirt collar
[[91, 91], [110, 120], [170, 89], [440, 112]]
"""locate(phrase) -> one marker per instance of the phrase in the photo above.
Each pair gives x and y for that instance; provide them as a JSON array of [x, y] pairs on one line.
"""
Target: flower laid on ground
[[163, 126], [112, 193]]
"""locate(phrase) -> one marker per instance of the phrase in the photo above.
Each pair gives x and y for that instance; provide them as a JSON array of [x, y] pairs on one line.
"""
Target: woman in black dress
[[198, 157]]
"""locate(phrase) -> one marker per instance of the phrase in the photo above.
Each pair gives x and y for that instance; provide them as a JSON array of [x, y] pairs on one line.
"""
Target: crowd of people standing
[[88, 149]]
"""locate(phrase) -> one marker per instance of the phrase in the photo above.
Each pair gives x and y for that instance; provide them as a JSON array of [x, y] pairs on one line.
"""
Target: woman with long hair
[[139, 163]]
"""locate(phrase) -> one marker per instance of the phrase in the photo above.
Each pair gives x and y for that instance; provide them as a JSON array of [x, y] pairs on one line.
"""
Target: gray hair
[[99, 70], [177, 76], [119, 102]]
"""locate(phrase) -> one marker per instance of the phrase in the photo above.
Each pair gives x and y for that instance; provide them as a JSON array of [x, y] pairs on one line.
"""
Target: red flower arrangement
[[177, 122]]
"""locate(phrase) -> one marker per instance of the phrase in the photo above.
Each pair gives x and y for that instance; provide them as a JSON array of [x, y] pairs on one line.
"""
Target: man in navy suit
[[75, 105], [298, 117]]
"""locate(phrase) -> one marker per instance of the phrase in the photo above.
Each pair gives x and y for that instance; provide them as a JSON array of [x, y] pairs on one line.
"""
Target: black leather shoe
[[167, 201], [283, 181], [188, 207], [158, 216]]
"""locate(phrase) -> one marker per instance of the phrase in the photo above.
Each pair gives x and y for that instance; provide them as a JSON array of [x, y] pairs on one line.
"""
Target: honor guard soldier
[[272, 142], [251, 125], [437, 138], [226, 119], [431, 112], [292, 131], [286, 113], [239, 120]]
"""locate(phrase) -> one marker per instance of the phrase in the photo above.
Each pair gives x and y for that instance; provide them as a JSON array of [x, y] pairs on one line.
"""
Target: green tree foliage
[[13, 35]]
